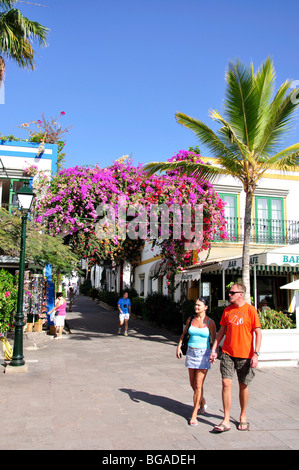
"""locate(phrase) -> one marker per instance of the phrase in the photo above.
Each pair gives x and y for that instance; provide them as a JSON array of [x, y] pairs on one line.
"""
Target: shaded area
[[168, 404], [104, 323]]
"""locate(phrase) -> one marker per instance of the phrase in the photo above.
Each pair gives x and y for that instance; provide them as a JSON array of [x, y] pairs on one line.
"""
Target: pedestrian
[[242, 329], [71, 296], [60, 314], [75, 289], [202, 331], [124, 308]]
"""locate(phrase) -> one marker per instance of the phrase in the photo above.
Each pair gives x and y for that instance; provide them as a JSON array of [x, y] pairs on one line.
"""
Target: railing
[[263, 231]]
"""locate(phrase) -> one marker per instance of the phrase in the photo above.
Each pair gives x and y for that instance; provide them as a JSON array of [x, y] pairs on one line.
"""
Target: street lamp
[[25, 198]]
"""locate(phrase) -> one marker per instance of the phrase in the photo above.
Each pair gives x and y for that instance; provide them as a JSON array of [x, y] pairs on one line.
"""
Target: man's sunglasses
[[233, 292]]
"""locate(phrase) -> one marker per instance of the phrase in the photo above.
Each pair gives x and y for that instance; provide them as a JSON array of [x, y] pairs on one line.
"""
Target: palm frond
[[248, 96], [284, 160], [16, 35], [185, 167], [237, 95], [263, 90], [236, 146], [221, 146], [204, 134], [7, 4], [252, 128], [280, 120]]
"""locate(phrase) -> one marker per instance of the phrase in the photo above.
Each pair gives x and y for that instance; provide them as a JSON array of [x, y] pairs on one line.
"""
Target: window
[[160, 284], [269, 223], [231, 214], [8, 193], [141, 281], [4, 186], [150, 285]]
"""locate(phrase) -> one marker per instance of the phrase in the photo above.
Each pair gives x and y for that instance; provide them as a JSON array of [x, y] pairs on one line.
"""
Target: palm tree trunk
[[246, 245], [2, 70]]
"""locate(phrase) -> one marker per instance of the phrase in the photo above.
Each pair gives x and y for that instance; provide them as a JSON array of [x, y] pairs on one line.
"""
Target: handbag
[[184, 345], [186, 337]]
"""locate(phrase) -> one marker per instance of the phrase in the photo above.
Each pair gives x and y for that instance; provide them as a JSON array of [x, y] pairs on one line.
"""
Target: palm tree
[[16, 36], [249, 141]]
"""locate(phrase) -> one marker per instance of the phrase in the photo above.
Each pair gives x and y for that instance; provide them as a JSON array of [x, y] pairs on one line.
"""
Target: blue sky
[[121, 69]]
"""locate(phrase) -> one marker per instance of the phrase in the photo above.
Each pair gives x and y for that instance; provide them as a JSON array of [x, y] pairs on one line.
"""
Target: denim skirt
[[198, 358]]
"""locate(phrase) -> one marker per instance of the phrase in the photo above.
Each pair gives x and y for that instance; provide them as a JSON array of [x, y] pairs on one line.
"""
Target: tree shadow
[[93, 321], [168, 404]]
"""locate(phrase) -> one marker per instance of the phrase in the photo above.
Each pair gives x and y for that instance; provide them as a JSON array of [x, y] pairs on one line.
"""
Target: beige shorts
[[229, 364]]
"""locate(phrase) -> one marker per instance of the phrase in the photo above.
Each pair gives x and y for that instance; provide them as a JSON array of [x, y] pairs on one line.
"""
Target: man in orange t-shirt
[[240, 324]]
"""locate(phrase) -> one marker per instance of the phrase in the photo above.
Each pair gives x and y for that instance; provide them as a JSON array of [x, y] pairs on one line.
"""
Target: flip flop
[[221, 428], [193, 422], [202, 410], [243, 426]]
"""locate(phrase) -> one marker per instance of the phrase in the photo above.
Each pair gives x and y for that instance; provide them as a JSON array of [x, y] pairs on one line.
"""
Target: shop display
[[35, 301]]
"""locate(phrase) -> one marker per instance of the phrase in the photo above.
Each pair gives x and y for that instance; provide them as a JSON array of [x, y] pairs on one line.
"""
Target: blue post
[[50, 292]]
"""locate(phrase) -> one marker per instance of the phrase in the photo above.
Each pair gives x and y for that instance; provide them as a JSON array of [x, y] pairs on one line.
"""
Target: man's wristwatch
[[257, 353]]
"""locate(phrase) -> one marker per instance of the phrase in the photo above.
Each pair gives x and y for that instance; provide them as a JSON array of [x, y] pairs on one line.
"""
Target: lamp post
[[25, 199]]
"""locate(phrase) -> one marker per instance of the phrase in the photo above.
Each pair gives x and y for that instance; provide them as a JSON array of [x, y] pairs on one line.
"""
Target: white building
[[15, 158], [275, 226]]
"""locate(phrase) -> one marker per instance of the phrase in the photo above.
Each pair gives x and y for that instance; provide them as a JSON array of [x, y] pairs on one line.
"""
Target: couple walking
[[241, 326]]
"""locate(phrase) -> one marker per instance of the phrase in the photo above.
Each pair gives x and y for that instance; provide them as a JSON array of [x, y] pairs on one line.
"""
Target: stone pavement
[[96, 390]]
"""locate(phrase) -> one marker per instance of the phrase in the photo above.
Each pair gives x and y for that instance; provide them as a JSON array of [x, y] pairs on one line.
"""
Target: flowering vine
[[48, 130], [8, 299], [71, 202]]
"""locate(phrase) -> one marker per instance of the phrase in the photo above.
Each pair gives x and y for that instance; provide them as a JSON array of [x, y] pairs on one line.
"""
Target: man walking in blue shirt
[[124, 308]]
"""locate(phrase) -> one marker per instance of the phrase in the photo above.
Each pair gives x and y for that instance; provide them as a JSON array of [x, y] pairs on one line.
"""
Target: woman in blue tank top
[[202, 330]]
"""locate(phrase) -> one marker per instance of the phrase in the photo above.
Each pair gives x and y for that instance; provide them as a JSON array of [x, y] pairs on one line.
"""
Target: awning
[[9, 261], [188, 275], [284, 257], [157, 266], [232, 263], [291, 285], [279, 258]]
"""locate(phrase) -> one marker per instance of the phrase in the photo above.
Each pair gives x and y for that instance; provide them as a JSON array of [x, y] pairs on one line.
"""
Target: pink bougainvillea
[[71, 204]]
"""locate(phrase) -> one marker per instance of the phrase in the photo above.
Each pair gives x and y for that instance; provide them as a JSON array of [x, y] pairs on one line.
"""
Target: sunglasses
[[233, 292]]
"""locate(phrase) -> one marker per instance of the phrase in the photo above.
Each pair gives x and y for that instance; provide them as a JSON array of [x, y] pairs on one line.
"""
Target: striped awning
[[188, 275], [159, 265], [282, 260]]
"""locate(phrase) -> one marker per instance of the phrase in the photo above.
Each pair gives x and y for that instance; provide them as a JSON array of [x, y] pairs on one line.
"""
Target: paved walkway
[[97, 390]]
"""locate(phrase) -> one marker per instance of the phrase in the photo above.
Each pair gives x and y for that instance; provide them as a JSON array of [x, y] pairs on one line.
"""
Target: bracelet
[[214, 350]]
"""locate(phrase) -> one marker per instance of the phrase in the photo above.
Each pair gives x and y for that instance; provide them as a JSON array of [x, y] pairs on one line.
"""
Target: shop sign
[[186, 277], [292, 259], [232, 264]]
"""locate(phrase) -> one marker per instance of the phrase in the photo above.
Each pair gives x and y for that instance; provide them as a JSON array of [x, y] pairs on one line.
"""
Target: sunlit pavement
[[95, 389]]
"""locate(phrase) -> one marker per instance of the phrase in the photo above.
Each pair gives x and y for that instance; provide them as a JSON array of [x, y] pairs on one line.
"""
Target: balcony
[[263, 231]]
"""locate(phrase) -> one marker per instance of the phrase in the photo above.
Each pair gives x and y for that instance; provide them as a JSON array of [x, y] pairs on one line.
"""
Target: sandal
[[193, 422], [202, 410], [221, 428], [243, 426]]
